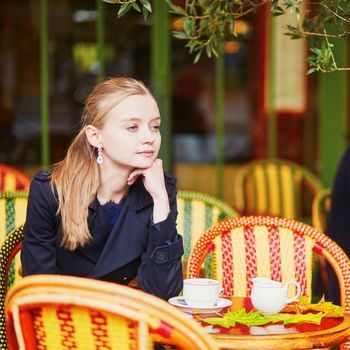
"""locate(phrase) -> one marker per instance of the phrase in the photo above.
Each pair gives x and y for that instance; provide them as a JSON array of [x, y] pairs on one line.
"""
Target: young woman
[[108, 211]]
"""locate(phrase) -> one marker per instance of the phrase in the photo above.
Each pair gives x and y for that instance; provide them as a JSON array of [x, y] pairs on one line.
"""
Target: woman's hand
[[153, 180]]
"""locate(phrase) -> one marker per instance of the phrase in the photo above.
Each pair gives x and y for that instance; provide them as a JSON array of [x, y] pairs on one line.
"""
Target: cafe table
[[331, 331]]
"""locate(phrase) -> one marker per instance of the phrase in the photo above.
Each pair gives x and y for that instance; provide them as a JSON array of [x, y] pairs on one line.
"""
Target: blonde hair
[[77, 177]]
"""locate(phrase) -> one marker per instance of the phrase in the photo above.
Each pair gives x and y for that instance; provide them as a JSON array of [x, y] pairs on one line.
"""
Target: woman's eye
[[132, 127], [155, 127]]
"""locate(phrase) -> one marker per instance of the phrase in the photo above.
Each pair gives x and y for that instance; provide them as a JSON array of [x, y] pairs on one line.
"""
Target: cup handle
[[295, 298]]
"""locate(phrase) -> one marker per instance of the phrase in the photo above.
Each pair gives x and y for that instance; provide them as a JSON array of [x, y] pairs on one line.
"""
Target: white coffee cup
[[201, 292], [269, 296]]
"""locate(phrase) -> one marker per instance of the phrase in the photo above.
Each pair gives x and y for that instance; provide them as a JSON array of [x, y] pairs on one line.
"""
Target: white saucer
[[181, 304]]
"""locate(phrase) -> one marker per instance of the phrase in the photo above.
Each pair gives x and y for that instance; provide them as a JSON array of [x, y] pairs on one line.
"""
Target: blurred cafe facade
[[254, 101]]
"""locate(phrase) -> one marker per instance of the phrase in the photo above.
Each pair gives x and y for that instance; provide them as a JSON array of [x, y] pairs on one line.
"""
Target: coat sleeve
[[160, 272], [338, 221], [38, 254]]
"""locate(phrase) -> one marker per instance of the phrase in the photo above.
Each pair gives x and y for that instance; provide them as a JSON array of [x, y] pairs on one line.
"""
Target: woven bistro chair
[[198, 212], [11, 179], [46, 312], [271, 247], [321, 206], [275, 187], [10, 268], [13, 210]]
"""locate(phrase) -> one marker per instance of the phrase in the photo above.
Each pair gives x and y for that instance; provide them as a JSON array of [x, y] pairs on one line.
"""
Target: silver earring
[[99, 158]]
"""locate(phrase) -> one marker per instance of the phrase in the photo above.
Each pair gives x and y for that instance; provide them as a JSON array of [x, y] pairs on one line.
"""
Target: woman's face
[[130, 136]]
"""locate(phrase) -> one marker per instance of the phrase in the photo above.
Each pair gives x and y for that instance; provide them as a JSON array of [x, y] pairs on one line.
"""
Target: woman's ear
[[93, 136]]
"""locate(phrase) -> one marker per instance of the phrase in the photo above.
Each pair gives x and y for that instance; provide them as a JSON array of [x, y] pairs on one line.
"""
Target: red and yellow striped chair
[[46, 312], [12, 179], [321, 206], [13, 210], [270, 247], [275, 187], [198, 212], [10, 274]]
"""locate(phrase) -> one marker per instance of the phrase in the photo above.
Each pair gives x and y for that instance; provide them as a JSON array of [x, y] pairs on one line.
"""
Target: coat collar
[[139, 198]]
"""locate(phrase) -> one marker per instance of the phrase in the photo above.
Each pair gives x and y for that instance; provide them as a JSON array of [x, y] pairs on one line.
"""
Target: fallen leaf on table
[[303, 307], [256, 318], [299, 318]]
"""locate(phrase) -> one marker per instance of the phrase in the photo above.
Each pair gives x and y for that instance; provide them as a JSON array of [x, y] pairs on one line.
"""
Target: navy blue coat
[[157, 248], [338, 227]]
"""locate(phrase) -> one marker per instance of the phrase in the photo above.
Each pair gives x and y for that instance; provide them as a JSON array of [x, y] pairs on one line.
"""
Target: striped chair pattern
[[275, 187], [197, 212], [46, 312], [12, 179], [271, 247], [321, 206], [13, 209], [9, 272]]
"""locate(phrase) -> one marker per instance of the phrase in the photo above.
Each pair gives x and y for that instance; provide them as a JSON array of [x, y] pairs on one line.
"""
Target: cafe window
[[194, 102]]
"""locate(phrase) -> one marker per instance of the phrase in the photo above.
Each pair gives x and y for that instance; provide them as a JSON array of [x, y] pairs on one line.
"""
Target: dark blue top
[[112, 211]]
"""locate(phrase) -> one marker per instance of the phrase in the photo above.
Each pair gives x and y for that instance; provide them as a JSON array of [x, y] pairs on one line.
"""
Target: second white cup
[[201, 292], [269, 296]]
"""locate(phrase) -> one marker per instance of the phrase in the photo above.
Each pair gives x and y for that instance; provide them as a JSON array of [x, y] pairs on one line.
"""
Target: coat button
[[160, 255]]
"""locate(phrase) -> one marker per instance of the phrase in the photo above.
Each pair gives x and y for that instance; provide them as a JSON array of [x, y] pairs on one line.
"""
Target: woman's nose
[[148, 136]]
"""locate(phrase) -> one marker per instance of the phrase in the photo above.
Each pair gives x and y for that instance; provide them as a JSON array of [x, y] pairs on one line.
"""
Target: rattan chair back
[[10, 267], [271, 247], [198, 212], [11, 179], [321, 206], [275, 187], [13, 210], [46, 312]]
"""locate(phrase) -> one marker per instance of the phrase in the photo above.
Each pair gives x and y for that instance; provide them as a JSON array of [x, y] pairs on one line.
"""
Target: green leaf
[[180, 35], [124, 9], [220, 321], [255, 318], [197, 57], [208, 50], [145, 13], [288, 3], [112, 1], [136, 7], [252, 318], [327, 307], [312, 70], [176, 9], [214, 7], [278, 11], [232, 28], [298, 318], [297, 13], [147, 5]]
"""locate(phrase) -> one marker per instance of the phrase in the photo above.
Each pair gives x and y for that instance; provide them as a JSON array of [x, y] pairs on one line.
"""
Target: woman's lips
[[146, 153]]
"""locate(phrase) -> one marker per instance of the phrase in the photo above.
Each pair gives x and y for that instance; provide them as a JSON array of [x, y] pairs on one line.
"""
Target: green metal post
[[333, 115], [272, 120], [100, 34], [161, 74], [219, 123], [44, 84]]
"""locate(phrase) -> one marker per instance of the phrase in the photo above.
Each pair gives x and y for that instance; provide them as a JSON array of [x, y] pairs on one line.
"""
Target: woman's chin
[[145, 164]]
